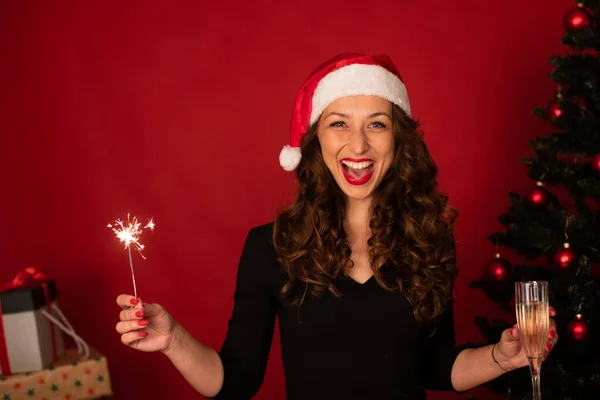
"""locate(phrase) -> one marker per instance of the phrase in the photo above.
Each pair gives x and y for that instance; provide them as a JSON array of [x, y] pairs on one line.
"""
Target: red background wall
[[179, 112]]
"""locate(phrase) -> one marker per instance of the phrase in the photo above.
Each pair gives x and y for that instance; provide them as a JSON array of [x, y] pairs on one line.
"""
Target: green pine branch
[[579, 178], [576, 70]]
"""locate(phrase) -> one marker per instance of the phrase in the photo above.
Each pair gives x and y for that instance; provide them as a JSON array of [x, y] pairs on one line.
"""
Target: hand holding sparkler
[[129, 233], [145, 326]]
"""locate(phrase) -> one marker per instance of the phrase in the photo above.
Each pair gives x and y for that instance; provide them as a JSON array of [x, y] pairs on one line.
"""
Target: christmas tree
[[559, 235]]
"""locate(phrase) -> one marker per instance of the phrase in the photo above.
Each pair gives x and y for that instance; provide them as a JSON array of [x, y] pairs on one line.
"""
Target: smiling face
[[357, 143]]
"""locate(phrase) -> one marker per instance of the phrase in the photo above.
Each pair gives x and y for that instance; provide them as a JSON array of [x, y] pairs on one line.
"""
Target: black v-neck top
[[363, 345]]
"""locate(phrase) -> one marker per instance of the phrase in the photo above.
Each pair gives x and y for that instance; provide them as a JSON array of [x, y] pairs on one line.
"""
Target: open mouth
[[357, 172]]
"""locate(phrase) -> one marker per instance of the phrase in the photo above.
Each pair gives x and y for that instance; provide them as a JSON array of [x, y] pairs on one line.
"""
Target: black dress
[[364, 345]]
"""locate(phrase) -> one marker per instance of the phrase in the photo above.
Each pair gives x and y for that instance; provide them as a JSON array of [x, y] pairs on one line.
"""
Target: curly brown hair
[[411, 224]]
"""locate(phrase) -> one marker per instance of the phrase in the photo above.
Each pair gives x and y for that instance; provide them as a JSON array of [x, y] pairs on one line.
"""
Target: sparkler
[[129, 233]]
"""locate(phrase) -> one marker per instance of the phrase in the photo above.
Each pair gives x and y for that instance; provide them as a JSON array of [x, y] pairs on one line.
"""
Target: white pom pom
[[289, 158]]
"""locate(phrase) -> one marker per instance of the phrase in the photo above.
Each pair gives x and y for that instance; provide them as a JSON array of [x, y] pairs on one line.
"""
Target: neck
[[358, 216]]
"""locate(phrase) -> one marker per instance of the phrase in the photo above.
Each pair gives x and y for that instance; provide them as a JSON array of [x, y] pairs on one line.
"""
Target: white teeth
[[359, 165]]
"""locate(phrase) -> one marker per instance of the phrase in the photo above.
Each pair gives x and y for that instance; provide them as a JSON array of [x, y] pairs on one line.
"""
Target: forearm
[[200, 365], [474, 367]]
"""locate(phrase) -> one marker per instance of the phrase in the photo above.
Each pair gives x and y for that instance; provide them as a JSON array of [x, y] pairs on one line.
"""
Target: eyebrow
[[377, 114]]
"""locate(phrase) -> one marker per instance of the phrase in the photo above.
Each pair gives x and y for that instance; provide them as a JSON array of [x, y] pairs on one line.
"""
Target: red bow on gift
[[26, 278]]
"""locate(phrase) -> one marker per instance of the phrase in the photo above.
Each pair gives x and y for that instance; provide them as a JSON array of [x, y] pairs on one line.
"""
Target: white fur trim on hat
[[290, 157], [358, 79]]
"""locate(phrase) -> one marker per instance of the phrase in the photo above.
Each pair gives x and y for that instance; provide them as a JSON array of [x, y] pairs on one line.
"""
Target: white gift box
[[29, 340]]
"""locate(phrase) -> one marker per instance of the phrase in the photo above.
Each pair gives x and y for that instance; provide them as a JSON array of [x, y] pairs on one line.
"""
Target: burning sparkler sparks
[[129, 233], [150, 224]]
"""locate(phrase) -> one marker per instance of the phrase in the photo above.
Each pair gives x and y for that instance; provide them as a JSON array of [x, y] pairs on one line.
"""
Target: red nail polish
[[549, 346], [143, 322], [552, 334], [140, 314], [143, 334], [133, 301]]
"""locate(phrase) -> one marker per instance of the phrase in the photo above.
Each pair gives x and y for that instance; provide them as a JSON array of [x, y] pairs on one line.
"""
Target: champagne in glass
[[533, 320]]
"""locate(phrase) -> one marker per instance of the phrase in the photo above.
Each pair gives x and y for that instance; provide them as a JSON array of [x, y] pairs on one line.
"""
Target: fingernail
[[549, 346], [513, 331], [553, 311], [143, 322], [140, 314], [143, 334], [552, 334], [133, 301]]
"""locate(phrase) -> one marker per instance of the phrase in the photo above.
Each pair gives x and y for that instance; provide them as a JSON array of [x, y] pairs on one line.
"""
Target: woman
[[359, 271]]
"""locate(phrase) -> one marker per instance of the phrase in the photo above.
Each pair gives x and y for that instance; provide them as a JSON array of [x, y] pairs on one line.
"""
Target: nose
[[358, 142]]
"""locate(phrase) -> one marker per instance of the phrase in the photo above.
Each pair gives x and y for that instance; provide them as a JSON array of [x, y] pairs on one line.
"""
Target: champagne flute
[[533, 320]]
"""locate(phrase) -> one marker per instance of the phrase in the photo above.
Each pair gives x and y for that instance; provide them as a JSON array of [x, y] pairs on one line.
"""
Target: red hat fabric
[[350, 74]]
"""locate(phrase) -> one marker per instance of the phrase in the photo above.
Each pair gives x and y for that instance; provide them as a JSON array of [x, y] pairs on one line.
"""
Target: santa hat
[[344, 75]]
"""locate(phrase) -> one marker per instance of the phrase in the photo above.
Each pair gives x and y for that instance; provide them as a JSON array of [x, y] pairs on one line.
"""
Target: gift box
[[67, 379], [29, 339]]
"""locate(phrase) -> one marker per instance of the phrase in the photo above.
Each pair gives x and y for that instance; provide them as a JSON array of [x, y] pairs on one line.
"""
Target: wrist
[[500, 360], [175, 342]]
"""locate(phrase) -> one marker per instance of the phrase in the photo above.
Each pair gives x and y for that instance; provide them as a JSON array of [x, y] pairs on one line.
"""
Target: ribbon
[[4, 364], [82, 347], [28, 277]]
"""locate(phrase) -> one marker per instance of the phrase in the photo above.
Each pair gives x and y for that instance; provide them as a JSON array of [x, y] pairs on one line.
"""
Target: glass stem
[[535, 366]]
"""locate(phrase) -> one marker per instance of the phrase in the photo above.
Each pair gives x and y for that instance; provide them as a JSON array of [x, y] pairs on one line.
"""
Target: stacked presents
[[33, 361]]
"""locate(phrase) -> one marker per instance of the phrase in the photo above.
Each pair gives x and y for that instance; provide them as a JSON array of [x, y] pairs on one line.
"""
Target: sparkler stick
[[132, 274], [129, 234]]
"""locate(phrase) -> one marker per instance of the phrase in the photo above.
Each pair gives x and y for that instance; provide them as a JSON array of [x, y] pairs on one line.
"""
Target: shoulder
[[259, 241], [259, 257], [261, 236], [264, 231]]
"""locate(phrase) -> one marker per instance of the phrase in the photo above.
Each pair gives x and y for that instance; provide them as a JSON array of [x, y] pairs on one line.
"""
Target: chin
[[353, 192], [352, 196]]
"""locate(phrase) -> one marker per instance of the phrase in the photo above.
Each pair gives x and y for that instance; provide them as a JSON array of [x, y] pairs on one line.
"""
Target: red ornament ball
[[577, 329], [596, 270], [577, 19], [582, 102], [596, 163], [553, 112], [498, 270], [537, 197], [564, 258]]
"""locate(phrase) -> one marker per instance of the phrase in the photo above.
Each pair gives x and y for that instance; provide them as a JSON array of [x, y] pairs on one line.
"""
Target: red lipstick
[[356, 159], [354, 181]]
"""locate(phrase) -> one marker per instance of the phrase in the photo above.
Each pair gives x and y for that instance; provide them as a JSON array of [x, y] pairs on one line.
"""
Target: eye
[[337, 124], [377, 124]]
